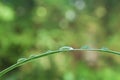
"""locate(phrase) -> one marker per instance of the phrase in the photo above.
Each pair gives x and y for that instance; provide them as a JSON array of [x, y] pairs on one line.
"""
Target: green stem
[[26, 61], [49, 53]]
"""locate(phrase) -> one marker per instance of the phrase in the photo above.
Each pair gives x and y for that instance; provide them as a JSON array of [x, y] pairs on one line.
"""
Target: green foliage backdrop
[[34, 26]]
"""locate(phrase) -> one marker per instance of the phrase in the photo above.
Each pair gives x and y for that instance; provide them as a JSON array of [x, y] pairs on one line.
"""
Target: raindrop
[[49, 51], [21, 60], [104, 49], [85, 47], [33, 55], [65, 48]]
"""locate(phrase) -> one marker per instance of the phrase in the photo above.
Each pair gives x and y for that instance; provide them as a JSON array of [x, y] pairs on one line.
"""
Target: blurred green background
[[35, 26]]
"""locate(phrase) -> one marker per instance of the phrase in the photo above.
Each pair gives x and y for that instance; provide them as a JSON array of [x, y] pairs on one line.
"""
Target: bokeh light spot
[[41, 12], [6, 13], [100, 11], [70, 15]]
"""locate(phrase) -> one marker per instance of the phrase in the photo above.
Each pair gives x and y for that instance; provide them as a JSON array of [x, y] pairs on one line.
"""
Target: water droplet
[[33, 55], [104, 49], [21, 60], [66, 48], [49, 51], [85, 47]]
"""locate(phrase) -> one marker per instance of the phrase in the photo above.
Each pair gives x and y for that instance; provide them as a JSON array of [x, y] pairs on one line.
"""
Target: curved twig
[[22, 61]]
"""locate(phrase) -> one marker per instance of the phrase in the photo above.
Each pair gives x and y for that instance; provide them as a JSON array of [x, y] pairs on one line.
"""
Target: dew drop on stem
[[65, 48], [85, 47], [21, 60], [104, 49]]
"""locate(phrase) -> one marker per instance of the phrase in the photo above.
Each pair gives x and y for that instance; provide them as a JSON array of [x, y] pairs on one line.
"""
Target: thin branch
[[22, 61]]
